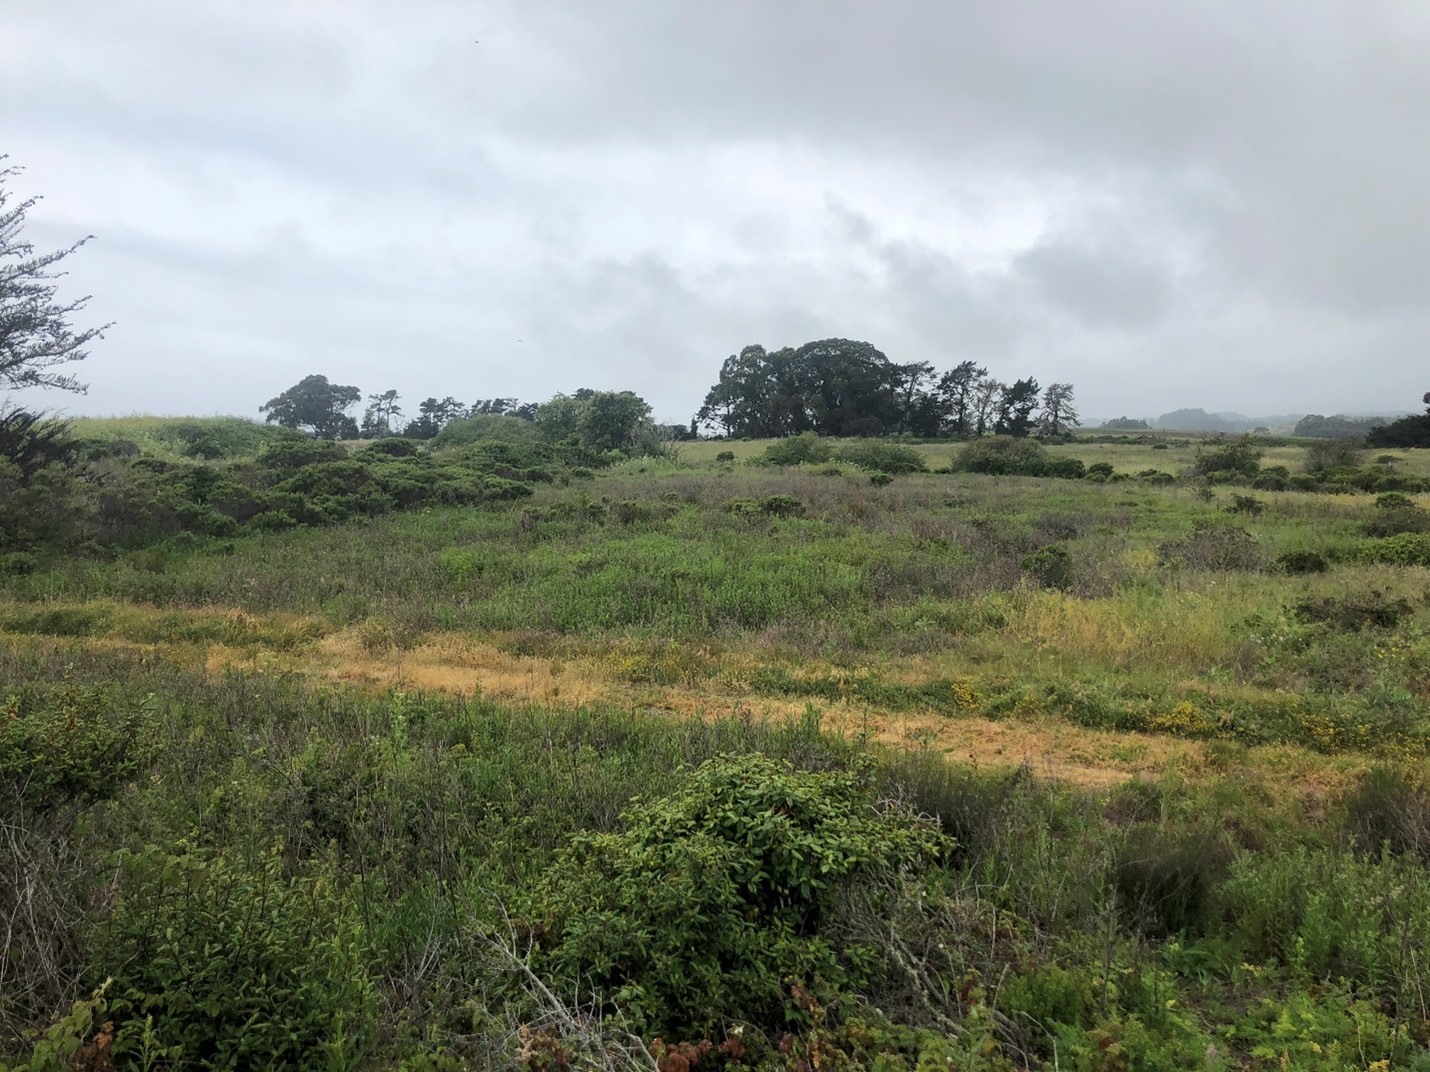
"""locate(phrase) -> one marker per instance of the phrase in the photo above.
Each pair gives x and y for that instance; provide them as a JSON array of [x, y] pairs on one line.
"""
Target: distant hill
[[1199, 420]]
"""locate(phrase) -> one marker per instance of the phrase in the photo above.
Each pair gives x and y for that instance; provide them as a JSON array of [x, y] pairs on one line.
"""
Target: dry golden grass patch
[[572, 675]]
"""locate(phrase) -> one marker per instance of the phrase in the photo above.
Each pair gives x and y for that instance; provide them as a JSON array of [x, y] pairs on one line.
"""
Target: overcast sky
[[1215, 204]]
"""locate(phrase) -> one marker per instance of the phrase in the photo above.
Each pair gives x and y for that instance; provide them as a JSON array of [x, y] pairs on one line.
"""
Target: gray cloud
[[1215, 204]]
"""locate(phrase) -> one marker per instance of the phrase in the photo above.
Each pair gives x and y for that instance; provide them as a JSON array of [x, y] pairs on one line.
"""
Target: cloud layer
[[1216, 205]]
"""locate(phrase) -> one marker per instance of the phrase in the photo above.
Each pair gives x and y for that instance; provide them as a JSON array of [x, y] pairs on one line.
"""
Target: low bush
[[770, 505], [1403, 549], [1214, 547], [1373, 609], [234, 965], [1229, 461], [1300, 562], [883, 457], [712, 900], [1051, 566], [1014, 456], [798, 450]]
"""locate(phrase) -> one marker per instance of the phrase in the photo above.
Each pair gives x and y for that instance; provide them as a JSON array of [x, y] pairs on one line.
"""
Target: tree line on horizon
[[833, 387], [848, 388]]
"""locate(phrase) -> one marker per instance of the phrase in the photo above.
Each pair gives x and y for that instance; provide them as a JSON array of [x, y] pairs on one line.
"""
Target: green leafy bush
[[238, 966], [70, 743], [714, 896], [797, 450], [293, 452], [1238, 459], [1300, 562], [770, 505], [1403, 549], [1050, 565], [883, 457], [1002, 456]]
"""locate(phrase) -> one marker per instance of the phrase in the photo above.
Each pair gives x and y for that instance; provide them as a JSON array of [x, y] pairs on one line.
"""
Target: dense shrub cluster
[[709, 900], [1014, 456], [108, 501]]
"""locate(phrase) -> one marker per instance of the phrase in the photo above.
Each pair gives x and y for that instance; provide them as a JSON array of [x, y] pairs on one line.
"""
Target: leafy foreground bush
[[712, 899], [233, 965]]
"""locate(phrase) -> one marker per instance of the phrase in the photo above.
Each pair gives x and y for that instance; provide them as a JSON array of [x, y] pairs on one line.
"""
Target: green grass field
[[1100, 775]]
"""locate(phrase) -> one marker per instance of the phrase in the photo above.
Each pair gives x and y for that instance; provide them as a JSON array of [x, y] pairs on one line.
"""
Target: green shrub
[[713, 897], [1213, 547], [1238, 459], [771, 505], [1103, 469], [797, 450], [1390, 810], [879, 480], [1003, 456], [70, 743], [725, 456], [294, 452], [1051, 565], [1245, 504], [1164, 878], [1403, 549], [883, 457], [1298, 562], [238, 966], [17, 563]]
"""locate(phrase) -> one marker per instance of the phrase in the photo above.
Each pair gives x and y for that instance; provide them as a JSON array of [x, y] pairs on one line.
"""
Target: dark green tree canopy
[[1316, 426], [317, 406], [1015, 408], [613, 420], [835, 387], [842, 387], [1412, 431]]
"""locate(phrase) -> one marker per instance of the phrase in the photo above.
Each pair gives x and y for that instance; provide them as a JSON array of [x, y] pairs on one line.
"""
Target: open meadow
[[481, 758]]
